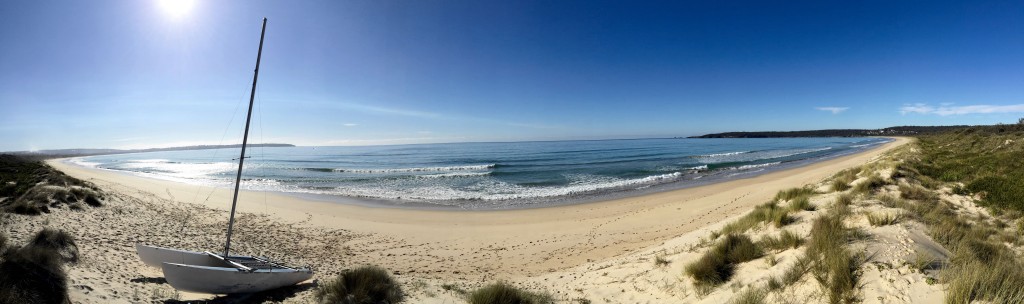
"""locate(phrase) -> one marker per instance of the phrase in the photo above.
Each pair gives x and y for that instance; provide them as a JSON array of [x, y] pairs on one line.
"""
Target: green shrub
[[503, 293], [367, 284]]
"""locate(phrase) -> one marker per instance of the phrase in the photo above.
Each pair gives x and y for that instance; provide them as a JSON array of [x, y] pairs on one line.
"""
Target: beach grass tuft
[[793, 193], [870, 184], [716, 266], [502, 293], [883, 218], [33, 273], [752, 295], [802, 203], [785, 240], [841, 181], [834, 266], [367, 284], [57, 241], [766, 213]]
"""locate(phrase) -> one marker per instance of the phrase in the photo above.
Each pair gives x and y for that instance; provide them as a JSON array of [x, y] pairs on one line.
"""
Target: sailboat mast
[[245, 139]]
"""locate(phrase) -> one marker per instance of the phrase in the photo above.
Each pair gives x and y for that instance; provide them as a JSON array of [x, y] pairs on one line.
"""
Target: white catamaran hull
[[224, 280], [156, 256]]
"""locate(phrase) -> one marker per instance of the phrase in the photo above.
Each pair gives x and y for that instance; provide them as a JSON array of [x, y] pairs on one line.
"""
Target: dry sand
[[547, 248]]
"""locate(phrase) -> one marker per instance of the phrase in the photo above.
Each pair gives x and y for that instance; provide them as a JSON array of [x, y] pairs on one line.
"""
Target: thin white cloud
[[947, 109], [834, 110], [350, 125]]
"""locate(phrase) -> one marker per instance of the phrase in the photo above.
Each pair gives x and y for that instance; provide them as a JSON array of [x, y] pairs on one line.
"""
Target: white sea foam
[[747, 167], [454, 174], [858, 146], [82, 162], [422, 169], [491, 189], [722, 154]]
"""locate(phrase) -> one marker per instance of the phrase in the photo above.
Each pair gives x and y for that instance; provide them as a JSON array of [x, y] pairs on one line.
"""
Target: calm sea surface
[[485, 175]]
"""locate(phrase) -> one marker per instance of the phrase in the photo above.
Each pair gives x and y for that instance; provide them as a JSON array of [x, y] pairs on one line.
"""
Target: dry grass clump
[[792, 193], [801, 203], [57, 241], [503, 293], [915, 192], [717, 265], [766, 213], [367, 284], [998, 280], [34, 273], [884, 219], [750, 296], [833, 265], [841, 181], [785, 240], [871, 184]]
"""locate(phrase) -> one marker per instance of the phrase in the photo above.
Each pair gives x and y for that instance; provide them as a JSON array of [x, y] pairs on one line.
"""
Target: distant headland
[[891, 131]]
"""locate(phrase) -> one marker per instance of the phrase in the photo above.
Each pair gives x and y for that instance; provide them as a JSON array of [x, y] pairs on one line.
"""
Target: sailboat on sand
[[208, 272]]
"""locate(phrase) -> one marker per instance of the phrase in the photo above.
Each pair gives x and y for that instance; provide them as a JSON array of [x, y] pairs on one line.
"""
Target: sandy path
[[485, 245]]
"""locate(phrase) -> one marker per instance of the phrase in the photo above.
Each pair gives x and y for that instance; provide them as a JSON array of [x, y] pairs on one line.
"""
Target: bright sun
[[176, 8]]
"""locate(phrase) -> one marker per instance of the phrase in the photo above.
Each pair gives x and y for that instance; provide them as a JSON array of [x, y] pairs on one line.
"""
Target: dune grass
[[752, 295], [717, 265], [785, 240], [34, 273], [870, 184], [57, 241], [367, 284], [802, 203], [985, 159], [841, 181], [31, 187], [793, 193], [883, 218], [834, 266], [504, 293], [765, 213]]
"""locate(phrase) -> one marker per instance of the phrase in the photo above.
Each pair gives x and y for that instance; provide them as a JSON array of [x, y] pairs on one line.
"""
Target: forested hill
[[891, 131]]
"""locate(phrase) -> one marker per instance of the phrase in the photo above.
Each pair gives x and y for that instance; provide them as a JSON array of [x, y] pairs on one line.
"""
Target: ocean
[[485, 175]]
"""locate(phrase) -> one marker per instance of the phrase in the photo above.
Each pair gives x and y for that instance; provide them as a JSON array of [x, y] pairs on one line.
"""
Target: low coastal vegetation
[[768, 213], [27, 186], [34, 272], [367, 284], [717, 265], [502, 293]]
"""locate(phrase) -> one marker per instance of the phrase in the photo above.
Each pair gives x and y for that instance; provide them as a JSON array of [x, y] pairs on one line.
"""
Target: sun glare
[[176, 8]]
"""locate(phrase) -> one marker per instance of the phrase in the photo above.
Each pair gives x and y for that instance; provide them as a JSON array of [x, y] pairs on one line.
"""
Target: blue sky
[[134, 74]]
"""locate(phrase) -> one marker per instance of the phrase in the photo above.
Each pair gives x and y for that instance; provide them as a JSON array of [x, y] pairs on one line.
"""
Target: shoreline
[[681, 180], [620, 225], [439, 246]]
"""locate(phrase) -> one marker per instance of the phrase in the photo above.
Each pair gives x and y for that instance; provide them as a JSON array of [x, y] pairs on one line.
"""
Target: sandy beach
[[425, 249]]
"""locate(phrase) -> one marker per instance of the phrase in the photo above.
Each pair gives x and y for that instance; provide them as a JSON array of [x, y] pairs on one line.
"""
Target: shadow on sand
[[276, 295]]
